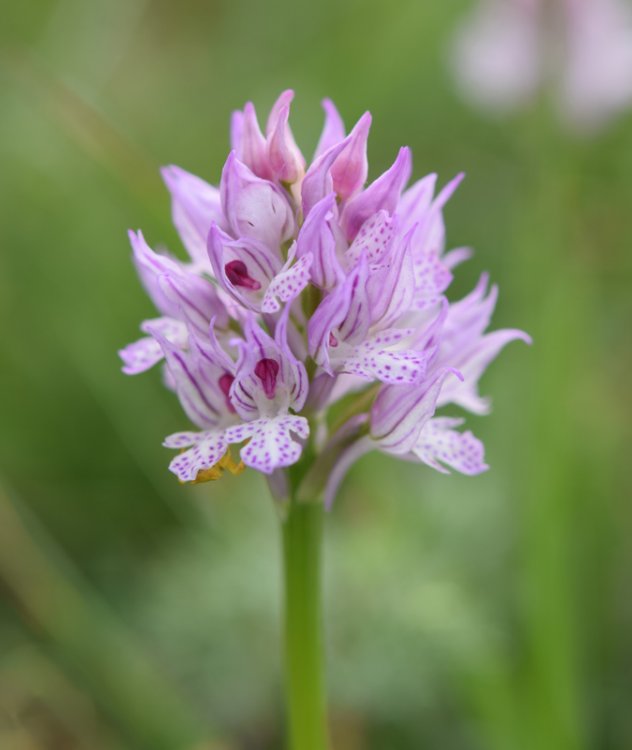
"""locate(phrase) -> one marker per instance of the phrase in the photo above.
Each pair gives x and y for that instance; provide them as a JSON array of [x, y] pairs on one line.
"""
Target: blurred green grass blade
[[90, 641]]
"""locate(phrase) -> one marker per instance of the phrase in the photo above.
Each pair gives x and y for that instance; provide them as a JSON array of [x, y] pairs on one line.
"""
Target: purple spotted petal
[[208, 448], [288, 283], [373, 240], [271, 445], [444, 448], [378, 358]]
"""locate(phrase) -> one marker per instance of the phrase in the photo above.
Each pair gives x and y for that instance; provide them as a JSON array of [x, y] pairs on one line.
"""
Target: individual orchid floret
[[269, 382], [579, 49], [253, 275], [344, 338], [250, 400], [202, 382], [403, 424], [311, 294], [183, 298]]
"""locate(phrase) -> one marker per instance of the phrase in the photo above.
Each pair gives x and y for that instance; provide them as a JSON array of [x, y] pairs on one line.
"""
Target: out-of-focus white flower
[[506, 50]]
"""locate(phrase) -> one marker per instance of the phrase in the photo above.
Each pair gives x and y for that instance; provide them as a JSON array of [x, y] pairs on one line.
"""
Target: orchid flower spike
[[306, 285]]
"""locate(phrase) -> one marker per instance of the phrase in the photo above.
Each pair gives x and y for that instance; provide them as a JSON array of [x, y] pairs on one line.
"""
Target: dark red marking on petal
[[267, 371], [225, 382], [237, 274]]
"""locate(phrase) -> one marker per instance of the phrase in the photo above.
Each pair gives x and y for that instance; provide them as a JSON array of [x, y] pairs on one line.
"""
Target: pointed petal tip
[[169, 173], [137, 241], [405, 159], [364, 123]]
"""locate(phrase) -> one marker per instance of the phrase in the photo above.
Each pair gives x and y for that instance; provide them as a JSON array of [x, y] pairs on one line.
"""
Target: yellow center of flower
[[226, 462]]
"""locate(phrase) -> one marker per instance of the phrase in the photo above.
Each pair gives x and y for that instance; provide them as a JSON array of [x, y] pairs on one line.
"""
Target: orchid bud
[[254, 207]]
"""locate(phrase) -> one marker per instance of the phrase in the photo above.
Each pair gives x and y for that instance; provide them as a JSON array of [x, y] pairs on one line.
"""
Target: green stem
[[304, 663]]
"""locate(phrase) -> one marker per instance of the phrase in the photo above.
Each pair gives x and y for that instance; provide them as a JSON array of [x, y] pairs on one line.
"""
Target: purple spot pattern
[[443, 448], [373, 239], [287, 285], [270, 443], [432, 278], [372, 362], [208, 448]]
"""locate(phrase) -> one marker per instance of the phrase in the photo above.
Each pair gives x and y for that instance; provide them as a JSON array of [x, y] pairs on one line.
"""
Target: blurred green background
[[492, 613]]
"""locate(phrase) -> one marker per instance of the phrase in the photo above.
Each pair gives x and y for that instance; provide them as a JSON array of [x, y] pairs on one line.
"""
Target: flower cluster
[[311, 318], [582, 48]]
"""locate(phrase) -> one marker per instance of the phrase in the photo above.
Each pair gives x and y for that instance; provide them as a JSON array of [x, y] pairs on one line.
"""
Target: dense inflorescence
[[311, 319]]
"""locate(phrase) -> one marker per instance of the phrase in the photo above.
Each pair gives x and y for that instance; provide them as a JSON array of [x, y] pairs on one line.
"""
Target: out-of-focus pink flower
[[306, 286], [581, 50]]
